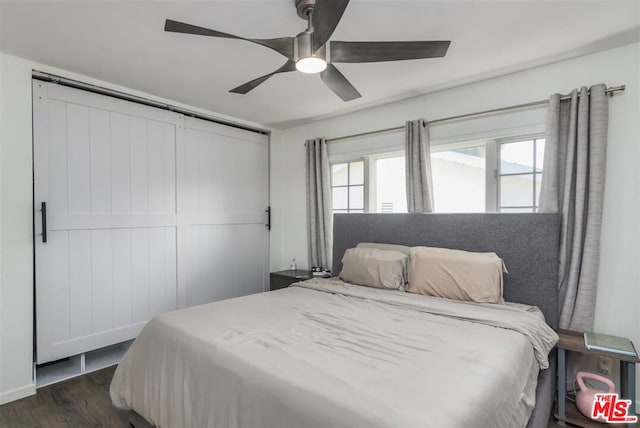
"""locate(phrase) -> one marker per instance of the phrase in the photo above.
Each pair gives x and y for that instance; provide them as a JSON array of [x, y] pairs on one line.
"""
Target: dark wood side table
[[285, 278], [574, 341]]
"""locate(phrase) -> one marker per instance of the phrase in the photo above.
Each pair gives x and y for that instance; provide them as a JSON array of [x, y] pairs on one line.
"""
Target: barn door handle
[[268, 211], [44, 221]]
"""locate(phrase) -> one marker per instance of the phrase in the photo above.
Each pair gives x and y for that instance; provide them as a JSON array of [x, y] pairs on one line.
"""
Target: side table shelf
[[573, 341], [285, 278]]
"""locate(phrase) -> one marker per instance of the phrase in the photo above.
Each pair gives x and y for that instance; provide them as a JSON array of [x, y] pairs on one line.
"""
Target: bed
[[326, 353]]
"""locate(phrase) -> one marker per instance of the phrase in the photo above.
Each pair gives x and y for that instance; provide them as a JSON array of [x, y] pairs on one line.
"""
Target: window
[[459, 178], [520, 175], [347, 187], [485, 175], [390, 185]]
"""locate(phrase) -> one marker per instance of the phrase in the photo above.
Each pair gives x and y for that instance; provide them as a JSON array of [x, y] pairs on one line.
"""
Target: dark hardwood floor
[[76, 403], [79, 402]]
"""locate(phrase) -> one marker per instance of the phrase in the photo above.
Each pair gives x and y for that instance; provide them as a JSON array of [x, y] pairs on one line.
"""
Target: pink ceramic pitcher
[[586, 396]]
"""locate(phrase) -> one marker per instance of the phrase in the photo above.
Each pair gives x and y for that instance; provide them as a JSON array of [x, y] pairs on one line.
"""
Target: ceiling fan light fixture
[[311, 65]]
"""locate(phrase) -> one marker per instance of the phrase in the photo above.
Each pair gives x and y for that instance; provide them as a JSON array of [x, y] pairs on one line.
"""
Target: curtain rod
[[610, 91], [48, 77]]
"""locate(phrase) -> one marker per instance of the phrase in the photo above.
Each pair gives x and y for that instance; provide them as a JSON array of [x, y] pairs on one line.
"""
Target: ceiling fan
[[311, 51]]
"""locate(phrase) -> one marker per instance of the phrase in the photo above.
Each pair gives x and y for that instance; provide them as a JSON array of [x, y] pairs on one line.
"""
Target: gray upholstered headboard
[[528, 244]]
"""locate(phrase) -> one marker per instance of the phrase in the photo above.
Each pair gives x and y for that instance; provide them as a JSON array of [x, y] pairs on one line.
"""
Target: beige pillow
[[375, 268], [394, 247], [455, 274]]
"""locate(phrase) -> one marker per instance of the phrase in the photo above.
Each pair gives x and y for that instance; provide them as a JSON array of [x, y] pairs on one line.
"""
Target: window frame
[[373, 178], [498, 174], [492, 170], [365, 184]]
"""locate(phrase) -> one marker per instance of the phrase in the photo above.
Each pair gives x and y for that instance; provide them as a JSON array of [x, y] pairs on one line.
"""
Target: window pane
[[516, 190], [340, 211], [459, 179], [540, 154], [356, 211], [356, 197], [516, 210], [516, 158], [391, 194], [339, 175], [340, 198], [356, 172]]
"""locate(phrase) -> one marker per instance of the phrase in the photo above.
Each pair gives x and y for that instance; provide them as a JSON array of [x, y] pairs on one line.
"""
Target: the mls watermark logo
[[608, 407]]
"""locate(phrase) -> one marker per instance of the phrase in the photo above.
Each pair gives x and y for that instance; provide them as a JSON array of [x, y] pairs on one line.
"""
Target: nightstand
[[574, 341], [285, 278]]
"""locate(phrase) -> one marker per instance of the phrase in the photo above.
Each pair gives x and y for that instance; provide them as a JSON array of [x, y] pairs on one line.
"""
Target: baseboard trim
[[18, 393]]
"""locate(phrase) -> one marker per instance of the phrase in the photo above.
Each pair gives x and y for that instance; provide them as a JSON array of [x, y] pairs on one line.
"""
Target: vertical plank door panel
[[139, 166], [55, 142], [53, 290], [78, 159], [170, 269], [226, 195], [169, 158], [122, 291], [106, 168], [140, 274], [101, 280], [120, 163], [157, 290], [100, 161], [80, 284], [156, 171]]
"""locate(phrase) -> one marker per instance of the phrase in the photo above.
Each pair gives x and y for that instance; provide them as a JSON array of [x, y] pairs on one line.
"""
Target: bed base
[[545, 393]]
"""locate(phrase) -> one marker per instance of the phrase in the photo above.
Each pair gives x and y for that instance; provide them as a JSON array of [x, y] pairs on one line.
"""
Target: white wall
[[16, 297], [16, 250], [618, 302]]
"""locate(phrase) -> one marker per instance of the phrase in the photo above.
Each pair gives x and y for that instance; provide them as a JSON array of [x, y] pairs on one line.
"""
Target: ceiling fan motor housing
[[304, 7], [303, 47]]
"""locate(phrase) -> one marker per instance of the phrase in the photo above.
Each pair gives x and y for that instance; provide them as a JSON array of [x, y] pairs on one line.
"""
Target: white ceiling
[[123, 42]]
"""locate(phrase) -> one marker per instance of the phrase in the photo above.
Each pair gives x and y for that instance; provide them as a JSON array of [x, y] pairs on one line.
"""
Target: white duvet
[[324, 353]]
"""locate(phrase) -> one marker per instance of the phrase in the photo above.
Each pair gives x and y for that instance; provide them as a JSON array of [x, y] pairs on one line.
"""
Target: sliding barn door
[[106, 170], [138, 211], [226, 185]]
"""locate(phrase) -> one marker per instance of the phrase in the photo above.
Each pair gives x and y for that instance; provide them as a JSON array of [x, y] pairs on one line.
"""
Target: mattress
[[324, 353]]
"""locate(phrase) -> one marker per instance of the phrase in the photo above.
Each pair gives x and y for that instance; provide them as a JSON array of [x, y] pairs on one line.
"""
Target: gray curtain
[[319, 214], [573, 185], [418, 167]]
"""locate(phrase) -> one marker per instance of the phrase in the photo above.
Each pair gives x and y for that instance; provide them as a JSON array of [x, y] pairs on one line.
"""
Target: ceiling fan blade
[[325, 18], [181, 27], [282, 45], [243, 89], [339, 84], [386, 51]]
